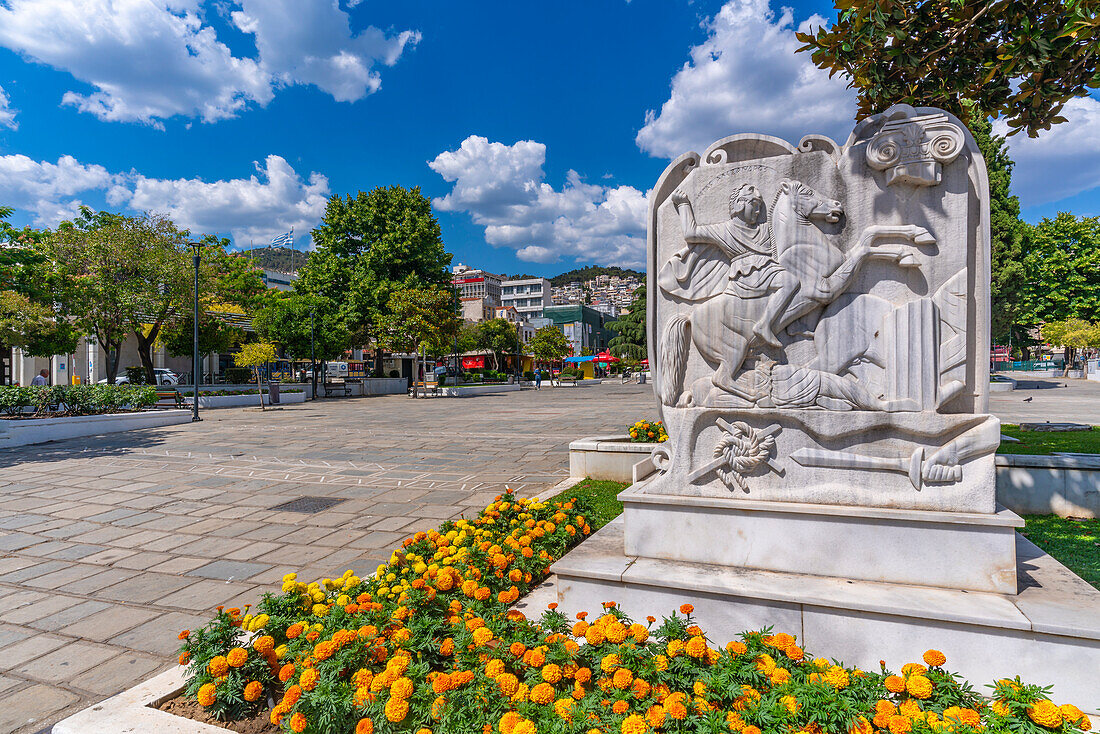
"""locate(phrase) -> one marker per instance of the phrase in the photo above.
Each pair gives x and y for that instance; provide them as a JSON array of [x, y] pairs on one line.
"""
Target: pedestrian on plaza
[[42, 378], [538, 379]]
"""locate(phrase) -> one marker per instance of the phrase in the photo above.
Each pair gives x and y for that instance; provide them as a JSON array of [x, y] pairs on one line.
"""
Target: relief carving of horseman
[[750, 277]]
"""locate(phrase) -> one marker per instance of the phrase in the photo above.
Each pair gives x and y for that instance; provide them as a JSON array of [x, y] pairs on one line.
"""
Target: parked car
[[164, 377]]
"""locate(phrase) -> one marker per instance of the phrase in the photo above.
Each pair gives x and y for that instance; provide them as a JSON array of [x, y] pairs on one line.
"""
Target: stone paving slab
[[110, 545]]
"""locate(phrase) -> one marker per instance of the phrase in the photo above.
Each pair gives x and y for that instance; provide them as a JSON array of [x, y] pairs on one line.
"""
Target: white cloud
[[7, 114], [502, 188], [312, 43], [1062, 161], [272, 200], [49, 190], [745, 78], [150, 60]]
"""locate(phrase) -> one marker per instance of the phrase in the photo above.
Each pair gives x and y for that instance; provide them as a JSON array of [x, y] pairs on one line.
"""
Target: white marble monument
[[819, 341]]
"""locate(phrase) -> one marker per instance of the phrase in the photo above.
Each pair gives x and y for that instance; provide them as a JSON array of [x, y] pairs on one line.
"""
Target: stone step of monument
[[1049, 631]]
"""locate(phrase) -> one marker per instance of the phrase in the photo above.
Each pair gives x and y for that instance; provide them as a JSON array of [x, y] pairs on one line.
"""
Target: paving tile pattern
[[110, 545]]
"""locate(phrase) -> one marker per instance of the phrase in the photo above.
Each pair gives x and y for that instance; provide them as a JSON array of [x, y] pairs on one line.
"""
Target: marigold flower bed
[[428, 644], [648, 432]]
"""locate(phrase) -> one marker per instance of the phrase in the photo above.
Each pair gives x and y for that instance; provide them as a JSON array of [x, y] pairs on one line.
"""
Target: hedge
[[71, 400]]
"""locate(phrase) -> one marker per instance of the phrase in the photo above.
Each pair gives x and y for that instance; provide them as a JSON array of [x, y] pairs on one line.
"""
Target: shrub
[[14, 399], [237, 374], [394, 373], [648, 432], [75, 399], [442, 380], [529, 375], [429, 642]]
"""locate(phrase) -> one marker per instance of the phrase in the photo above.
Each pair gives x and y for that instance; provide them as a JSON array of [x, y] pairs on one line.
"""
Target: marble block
[[818, 319], [972, 551]]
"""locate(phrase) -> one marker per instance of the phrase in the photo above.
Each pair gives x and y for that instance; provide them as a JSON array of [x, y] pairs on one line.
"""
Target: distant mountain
[[283, 259], [592, 271]]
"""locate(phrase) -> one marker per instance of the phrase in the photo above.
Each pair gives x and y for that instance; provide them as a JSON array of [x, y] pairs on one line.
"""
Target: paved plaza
[[110, 545]]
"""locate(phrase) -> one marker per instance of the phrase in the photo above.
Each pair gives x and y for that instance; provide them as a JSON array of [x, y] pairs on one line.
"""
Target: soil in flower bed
[[180, 706]]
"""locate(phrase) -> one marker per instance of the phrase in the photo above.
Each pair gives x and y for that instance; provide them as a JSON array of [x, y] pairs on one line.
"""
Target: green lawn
[[1042, 442], [1075, 543], [601, 494]]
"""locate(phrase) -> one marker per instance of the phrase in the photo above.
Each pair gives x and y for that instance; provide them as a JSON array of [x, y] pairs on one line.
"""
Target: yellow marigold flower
[[860, 726], [790, 703], [482, 635], [563, 707], [1076, 716], [610, 663], [696, 647], [894, 684], [525, 727], [765, 663], [1045, 713], [616, 633], [900, 725], [494, 667], [910, 709], [634, 724], [913, 669], [968, 717], [675, 647], [206, 695], [837, 677], [934, 658], [919, 686], [542, 693], [551, 673], [396, 709]]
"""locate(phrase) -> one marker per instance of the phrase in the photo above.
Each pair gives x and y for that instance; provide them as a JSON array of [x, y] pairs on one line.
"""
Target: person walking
[[42, 378], [538, 379]]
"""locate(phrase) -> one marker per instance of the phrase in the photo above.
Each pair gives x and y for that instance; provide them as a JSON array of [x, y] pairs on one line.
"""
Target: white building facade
[[529, 296]]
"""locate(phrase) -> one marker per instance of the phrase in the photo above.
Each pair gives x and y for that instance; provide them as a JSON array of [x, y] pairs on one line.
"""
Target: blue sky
[[537, 130]]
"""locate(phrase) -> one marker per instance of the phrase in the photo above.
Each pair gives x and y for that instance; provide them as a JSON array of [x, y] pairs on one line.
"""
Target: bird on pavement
[[1028, 400]]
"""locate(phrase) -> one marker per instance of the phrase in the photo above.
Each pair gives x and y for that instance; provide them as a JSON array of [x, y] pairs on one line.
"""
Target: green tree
[[254, 356], [1072, 335], [418, 320], [1008, 275], [370, 246], [291, 319], [215, 335], [1017, 59], [549, 344], [1062, 264], [630, 341], [500, 337], [34, 327]]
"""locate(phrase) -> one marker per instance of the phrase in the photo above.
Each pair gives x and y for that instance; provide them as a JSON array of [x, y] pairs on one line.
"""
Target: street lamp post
[[196, 371], [313, 352]]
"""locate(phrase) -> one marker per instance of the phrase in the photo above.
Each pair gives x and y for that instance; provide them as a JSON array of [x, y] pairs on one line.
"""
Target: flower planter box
[[25, 432], [244, 400], [608, 457]]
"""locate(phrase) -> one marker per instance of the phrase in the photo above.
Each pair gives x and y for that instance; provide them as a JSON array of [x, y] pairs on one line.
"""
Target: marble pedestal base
[[954, 550], [1048, 633]]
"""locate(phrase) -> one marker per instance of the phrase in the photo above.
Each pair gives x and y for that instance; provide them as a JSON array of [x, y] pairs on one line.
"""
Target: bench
[[169, 399], [567, 380], [429, 387], [337, 388]]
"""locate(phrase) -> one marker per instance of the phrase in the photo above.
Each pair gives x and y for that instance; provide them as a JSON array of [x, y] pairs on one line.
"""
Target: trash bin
[[273, 393], [641, 378]]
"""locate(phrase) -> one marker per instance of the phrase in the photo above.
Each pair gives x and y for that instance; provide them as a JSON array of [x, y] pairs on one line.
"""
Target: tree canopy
[[1017, 59], [500, 337], [1062, 263], [549, 344], [291, 319]]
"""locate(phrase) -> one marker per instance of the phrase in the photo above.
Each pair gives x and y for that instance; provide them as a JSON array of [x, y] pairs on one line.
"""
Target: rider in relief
[[746, 241]]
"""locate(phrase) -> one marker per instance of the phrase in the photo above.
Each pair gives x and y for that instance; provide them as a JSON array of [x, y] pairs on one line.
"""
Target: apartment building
[[475, 283], [529, 296]]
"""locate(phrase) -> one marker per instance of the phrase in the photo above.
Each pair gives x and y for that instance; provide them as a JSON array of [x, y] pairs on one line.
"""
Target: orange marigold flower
[[899, 725], [396, 709], [184, 658], [610, 663], [583, 675], [860, 726], [494, 667], [294, 630], [447, 647], [1045, 713], [736, 648], [542, 693], [911, 709], [237, 657], [551, 673], [620, 707], [508, 722], [298, 722], [402, 688], [894, 684], [517, 649], [913, 669], [264, 644], [365, 726], [966, 716], [751, 730], [206, 695], [919, 686], [563, 707], [696, 647], [594, 635], [622, 679], [292, 695], [674, 705], [837, 677], [655, 715], [779, 676], [286, 672], [184, 634], [934, 658], [253, 690], [1074, 715], [218, 666], [686, 609], [508, 684], [309, 679]]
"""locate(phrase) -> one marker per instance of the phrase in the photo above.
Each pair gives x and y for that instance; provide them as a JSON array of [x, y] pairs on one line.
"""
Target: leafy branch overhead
[[1017, 59]]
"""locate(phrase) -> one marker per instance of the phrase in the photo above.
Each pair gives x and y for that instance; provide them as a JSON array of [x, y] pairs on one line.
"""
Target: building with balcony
[[529, 296], [475, 283]]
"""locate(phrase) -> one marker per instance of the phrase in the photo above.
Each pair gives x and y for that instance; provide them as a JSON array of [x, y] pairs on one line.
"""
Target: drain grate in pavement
[[309, 505]]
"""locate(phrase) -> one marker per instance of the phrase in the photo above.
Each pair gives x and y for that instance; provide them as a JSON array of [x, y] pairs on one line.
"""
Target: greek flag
[[286, 238]]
